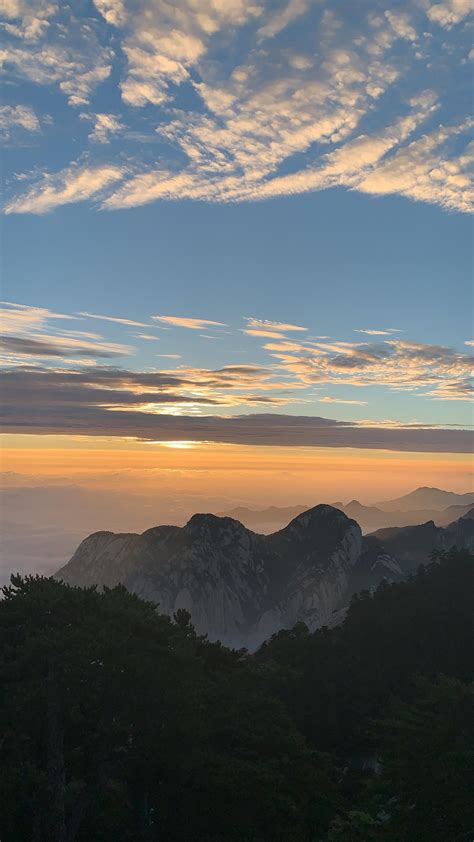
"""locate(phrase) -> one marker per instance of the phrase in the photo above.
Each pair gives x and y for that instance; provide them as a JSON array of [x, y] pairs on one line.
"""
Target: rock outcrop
[[239, 587]]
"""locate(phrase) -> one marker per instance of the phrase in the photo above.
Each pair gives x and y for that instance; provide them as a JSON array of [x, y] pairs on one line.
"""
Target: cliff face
[[413, 545], [239, 587]]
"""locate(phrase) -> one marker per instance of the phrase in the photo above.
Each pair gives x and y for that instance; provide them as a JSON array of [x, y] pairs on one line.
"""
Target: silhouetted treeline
[[118, 723]]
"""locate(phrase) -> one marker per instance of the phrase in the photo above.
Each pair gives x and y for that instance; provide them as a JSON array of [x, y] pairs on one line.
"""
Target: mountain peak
[[209, 522], [321, 512]]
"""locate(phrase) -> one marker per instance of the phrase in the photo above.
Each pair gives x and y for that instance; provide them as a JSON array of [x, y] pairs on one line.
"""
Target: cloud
[[395, 364], [275, 327], [337, 101], [74, 184], [79, 391], [113, 319], [28, 19], [105, 127], [26, 331], [451, 12], [14, 117], [427, 172], [279, 21], [23, 317], [163, 41], [60, 346], [190, 323], [372, 332], [35, 49], [329, 399], [80, 403]]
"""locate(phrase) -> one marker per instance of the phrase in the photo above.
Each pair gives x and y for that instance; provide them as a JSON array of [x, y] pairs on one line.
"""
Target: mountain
[[239, 587], [369, 518], [426, 498], [413, 545]]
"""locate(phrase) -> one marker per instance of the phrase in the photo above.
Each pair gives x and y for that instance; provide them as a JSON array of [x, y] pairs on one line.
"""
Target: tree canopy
[[120, 723]]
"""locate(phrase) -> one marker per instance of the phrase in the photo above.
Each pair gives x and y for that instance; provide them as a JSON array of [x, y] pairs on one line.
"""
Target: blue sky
[[291, 168]]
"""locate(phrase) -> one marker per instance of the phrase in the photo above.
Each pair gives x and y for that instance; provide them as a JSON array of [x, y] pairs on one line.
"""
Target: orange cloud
[[190, 323]]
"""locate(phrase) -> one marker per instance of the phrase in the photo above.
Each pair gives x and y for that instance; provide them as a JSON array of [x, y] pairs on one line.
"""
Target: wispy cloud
[[60, 346], [188, 322], [33, 332], [74, 184], [373, 332], [275, 327], [329, 399], [280, 20], [24, 317], [116, 319]]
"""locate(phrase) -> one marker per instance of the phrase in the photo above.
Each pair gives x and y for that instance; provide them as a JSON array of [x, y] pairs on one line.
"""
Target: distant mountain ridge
[[426, 498], [419, 506], [241, 587]]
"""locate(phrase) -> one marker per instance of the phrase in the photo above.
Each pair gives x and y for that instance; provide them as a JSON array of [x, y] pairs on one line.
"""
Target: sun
[[179, 445]]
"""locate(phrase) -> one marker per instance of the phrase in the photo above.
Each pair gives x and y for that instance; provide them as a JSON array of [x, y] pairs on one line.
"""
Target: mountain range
[[420, 506], [240, 586]]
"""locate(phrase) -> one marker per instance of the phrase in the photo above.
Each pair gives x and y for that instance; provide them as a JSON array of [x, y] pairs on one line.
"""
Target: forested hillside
[[119, 723]]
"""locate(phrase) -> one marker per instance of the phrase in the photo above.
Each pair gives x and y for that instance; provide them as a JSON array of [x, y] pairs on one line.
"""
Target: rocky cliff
[[239, 587]]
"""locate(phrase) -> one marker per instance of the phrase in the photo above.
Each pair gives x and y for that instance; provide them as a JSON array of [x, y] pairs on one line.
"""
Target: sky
[[237, 248]]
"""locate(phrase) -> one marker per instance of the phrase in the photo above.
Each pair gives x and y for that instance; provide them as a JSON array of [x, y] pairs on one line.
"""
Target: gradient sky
[[244, 223]]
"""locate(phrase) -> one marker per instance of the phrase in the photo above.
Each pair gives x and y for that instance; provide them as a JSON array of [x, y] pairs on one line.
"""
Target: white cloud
[[162, 40], [329, 399], [280, 20], [38, 50], [266, 324], [401, 25], [105, 126], [74, 184], [451, 12], [14, 117], [373, 332], [27, 19], [113, 319], [340, 106], [23, 318], [421, 171]]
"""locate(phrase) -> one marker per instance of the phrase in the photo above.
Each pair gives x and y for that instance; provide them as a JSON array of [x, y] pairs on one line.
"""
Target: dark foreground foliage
[[120, 724]]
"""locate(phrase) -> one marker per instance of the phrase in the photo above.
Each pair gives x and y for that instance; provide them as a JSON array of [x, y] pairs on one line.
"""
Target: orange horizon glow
[[258, 473]]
